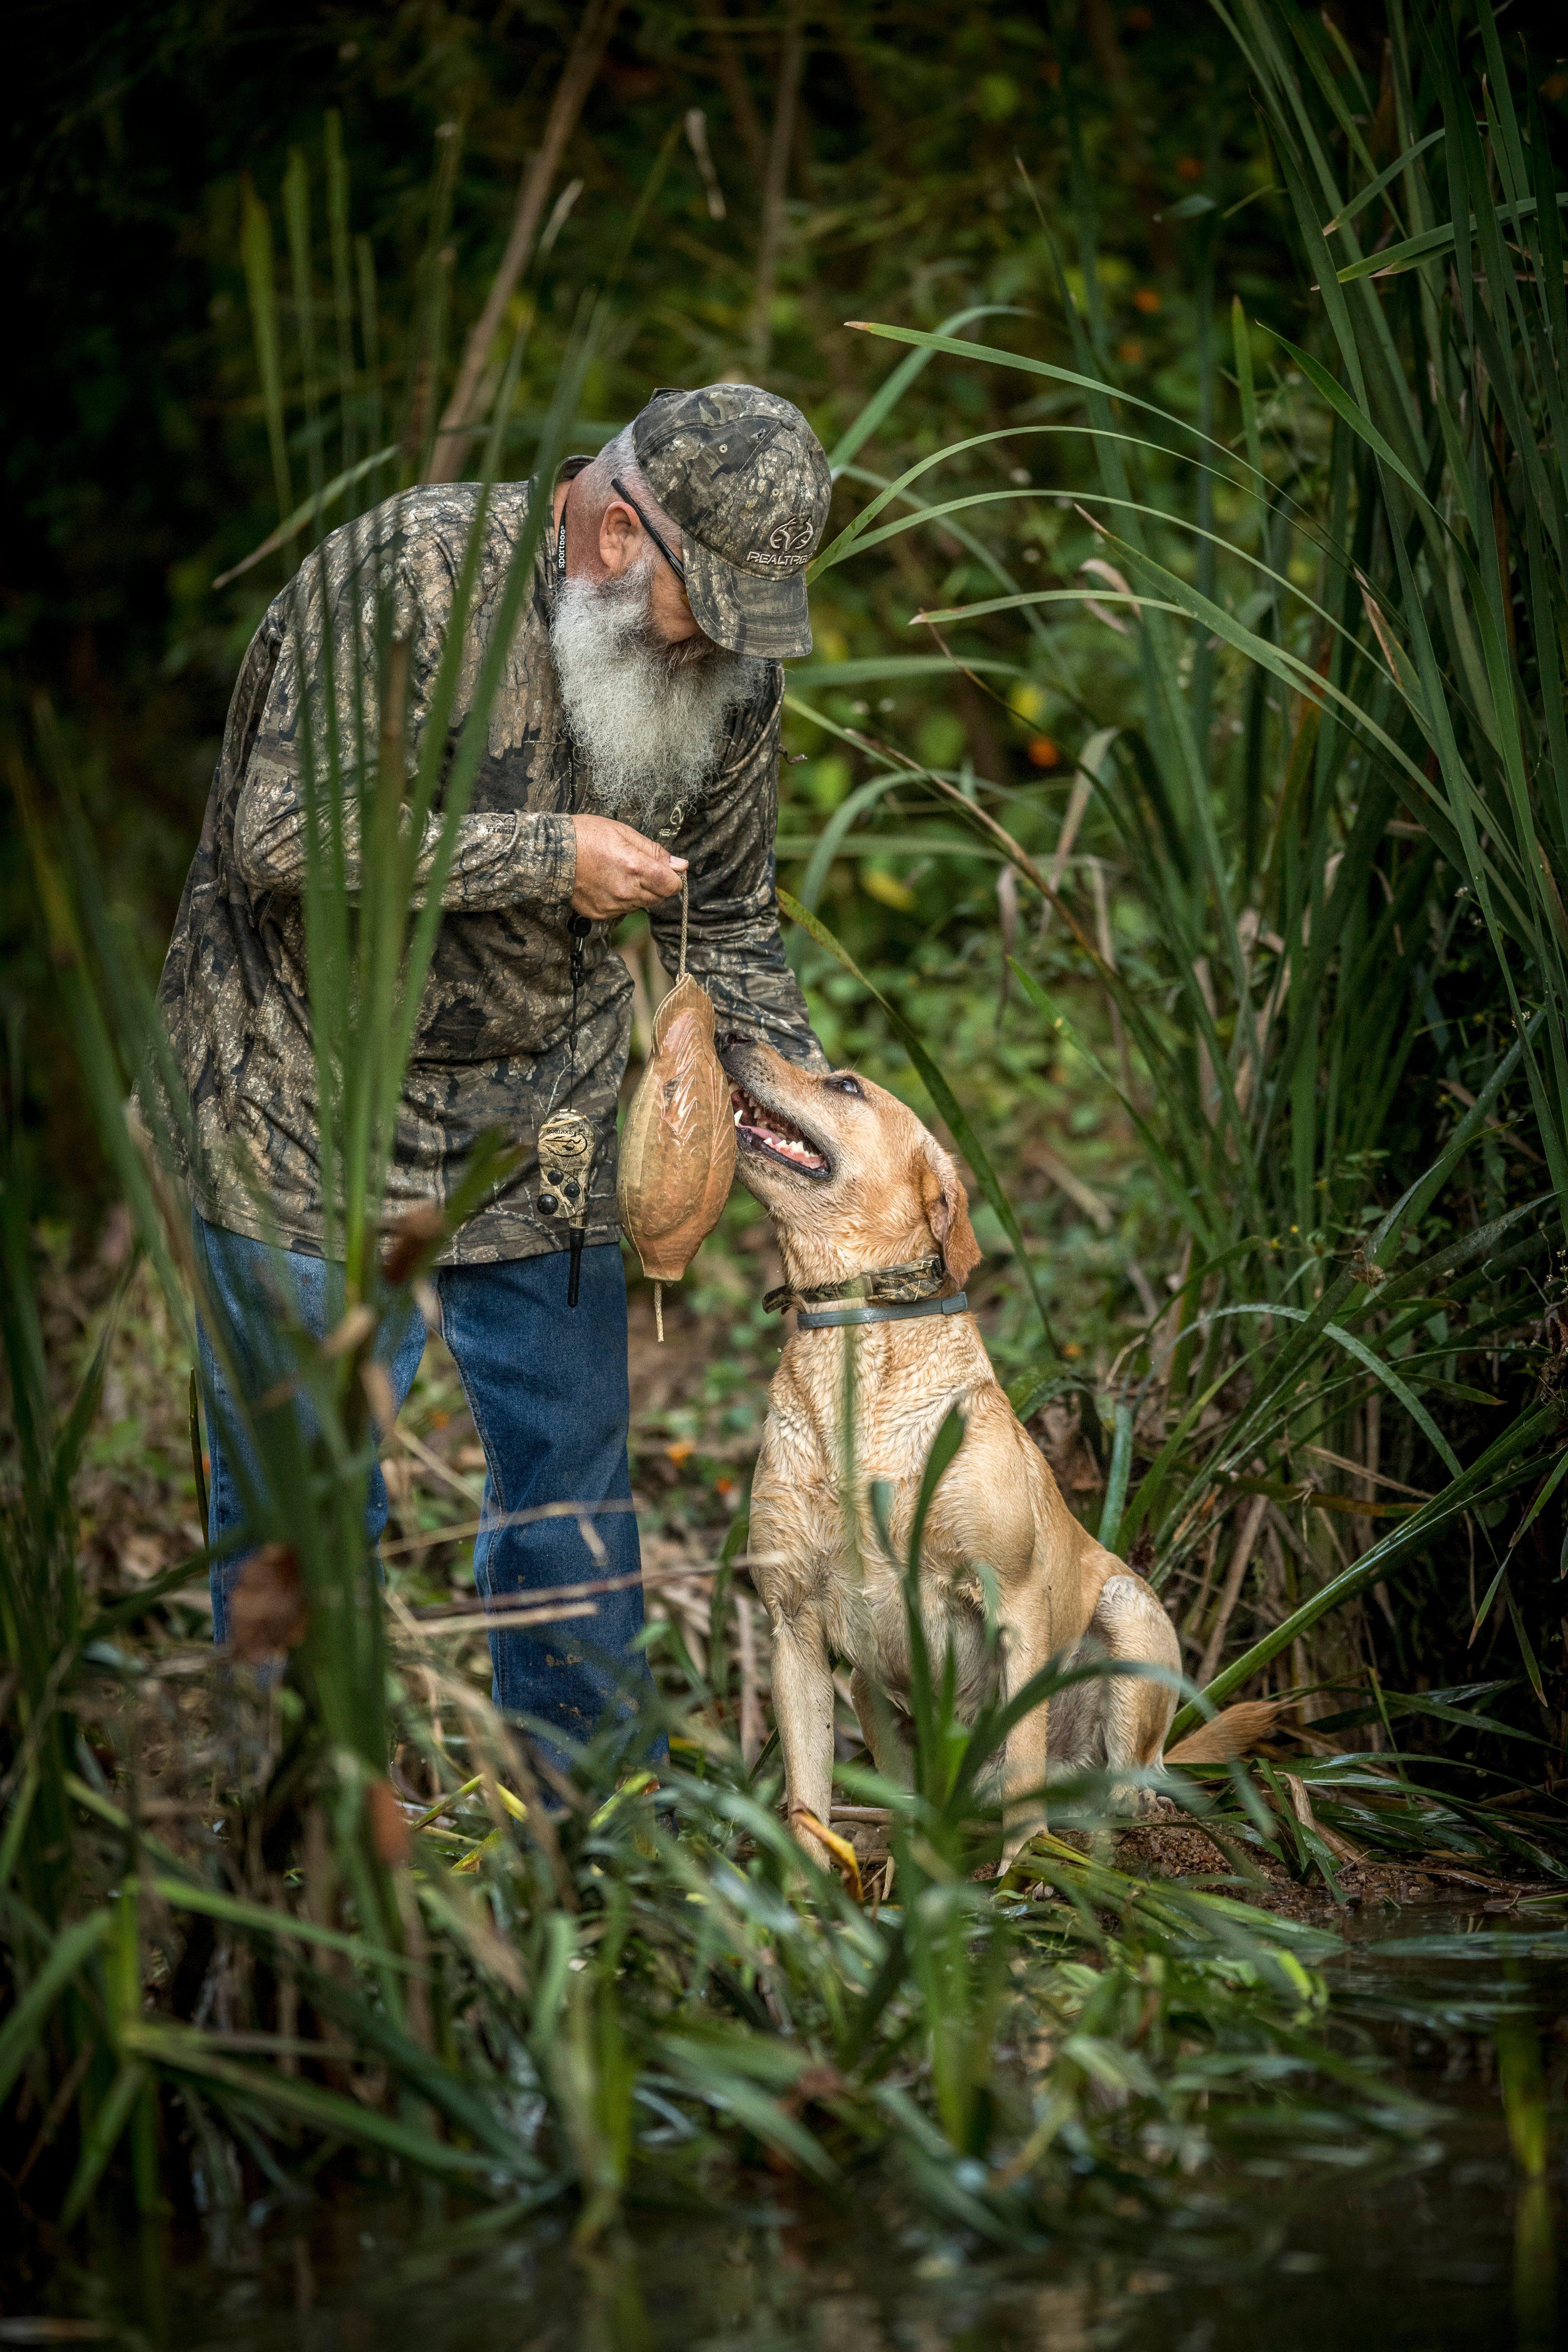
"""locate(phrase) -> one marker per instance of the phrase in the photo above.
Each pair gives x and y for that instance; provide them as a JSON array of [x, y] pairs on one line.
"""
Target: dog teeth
[[771, 1127], [795, 1147]]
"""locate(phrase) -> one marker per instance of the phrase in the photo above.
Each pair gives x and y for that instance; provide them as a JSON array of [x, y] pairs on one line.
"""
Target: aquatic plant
[[1334, 779], [242, 1938]]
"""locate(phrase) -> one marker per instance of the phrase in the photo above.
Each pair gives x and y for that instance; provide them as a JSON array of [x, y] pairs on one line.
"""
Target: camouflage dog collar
[[892, 1286], [744, 476]]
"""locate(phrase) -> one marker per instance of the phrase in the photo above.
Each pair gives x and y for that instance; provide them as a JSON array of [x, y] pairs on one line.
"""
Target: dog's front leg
[[803, 1708]]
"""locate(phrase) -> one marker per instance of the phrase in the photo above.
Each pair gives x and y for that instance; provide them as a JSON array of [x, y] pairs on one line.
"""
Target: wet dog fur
[[851, 1179]]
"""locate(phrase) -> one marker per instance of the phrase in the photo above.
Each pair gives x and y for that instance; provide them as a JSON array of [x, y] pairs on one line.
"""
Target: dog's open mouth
[[775, 1136]]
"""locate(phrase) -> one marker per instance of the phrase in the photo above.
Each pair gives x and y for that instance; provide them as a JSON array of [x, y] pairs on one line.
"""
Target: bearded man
[[634, 740]]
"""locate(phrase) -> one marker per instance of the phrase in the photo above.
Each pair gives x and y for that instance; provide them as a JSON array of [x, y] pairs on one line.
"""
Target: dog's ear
[[946, 1205]]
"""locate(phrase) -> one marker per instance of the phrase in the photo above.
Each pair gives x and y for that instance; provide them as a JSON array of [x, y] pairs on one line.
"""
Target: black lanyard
[[574, 1134], [578, 926]]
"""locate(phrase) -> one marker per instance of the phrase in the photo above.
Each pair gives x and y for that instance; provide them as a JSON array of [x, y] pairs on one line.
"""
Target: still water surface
[[1301, 2258]]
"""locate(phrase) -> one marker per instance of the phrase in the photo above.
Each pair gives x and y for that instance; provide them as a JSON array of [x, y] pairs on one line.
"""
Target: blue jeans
[[547, 1387]]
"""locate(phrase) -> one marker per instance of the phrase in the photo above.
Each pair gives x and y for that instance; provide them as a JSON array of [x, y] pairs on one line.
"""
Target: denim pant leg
[[547, 1387], [255, 1291]]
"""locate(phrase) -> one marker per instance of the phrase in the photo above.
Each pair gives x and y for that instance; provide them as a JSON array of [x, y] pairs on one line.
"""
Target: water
[[1448, 2250]]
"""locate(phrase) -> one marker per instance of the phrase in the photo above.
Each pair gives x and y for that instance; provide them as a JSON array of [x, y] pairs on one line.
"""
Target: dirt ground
[[1179, 1850], [698, 1399]]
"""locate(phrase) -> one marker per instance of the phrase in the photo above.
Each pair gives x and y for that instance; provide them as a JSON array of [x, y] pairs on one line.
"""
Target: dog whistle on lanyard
[[565, 1157], [566, 1142]]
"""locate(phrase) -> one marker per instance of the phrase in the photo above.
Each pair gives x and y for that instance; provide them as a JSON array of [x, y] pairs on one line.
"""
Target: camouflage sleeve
[[498, 861], [733, 945], [499, 858]]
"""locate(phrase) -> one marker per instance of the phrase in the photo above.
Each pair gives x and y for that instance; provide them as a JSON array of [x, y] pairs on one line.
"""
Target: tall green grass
[[568, 2000], [528, 2002], [368, 953], [1335, 804], [646, 1989]]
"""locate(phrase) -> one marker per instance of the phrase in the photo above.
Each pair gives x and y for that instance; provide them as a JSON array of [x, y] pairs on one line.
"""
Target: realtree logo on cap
[[787, 542]]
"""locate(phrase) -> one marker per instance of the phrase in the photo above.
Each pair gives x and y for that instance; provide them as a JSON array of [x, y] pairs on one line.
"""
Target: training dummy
[[678, 1147]]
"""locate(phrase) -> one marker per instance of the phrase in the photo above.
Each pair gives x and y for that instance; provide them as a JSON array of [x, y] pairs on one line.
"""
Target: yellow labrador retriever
[[873, 1225]]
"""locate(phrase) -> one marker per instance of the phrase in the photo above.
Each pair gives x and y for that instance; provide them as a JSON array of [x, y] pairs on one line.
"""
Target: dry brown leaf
[[1301, 1806], [140, 1556], [352, 1332], [1057, 1430], [412, 1239], [267, 1611], [843, 1853], [377, 1385], [388, 1824]]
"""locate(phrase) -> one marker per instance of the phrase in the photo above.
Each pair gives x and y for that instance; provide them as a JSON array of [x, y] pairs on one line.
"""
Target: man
[[634, 740]]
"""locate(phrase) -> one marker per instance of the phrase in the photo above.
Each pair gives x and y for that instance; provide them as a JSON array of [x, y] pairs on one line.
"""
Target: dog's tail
[[1230, 1733]]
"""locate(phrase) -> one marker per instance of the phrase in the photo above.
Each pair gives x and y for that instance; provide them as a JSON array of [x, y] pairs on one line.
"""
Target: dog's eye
[[844, 1086]]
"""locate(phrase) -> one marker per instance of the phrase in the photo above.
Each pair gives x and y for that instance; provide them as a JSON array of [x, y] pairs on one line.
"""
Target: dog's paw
[[1133, 1803]]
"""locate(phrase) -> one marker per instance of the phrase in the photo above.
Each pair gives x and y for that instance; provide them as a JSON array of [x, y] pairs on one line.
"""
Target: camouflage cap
[[744, 476]]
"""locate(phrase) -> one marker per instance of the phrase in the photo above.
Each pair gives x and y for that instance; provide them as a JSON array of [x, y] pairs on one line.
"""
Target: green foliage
[[651, 1981], [1291, 950], [1299, 947]]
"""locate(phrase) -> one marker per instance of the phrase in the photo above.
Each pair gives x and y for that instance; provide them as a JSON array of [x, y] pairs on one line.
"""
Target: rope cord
[[685, 919]]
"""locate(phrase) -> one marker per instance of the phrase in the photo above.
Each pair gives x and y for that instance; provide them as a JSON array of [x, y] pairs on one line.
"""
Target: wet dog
[[853, 1184]]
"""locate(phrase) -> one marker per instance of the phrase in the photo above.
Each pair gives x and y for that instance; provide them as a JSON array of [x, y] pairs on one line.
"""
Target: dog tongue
[[788, 1146]]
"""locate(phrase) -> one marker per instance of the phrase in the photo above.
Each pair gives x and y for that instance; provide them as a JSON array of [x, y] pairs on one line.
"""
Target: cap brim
[[767, 619]]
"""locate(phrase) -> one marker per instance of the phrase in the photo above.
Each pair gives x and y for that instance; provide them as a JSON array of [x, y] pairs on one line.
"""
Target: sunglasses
[[674, 562]]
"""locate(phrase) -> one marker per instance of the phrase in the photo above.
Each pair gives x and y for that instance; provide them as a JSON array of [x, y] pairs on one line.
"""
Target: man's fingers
[[619, 869], [635, 843], [656, 875], [653, 858]]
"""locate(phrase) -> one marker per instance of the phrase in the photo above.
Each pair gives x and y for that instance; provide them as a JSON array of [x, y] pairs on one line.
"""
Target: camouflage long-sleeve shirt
[[491, 1049]]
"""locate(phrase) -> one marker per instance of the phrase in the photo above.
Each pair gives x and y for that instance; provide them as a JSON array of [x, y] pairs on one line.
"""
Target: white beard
[[647, 716]]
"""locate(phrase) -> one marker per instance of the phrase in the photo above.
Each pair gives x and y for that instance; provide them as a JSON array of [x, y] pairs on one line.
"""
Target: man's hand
[[618, 870]]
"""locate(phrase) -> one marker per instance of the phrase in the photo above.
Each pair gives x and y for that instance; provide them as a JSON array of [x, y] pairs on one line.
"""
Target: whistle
[[566, 1158]]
